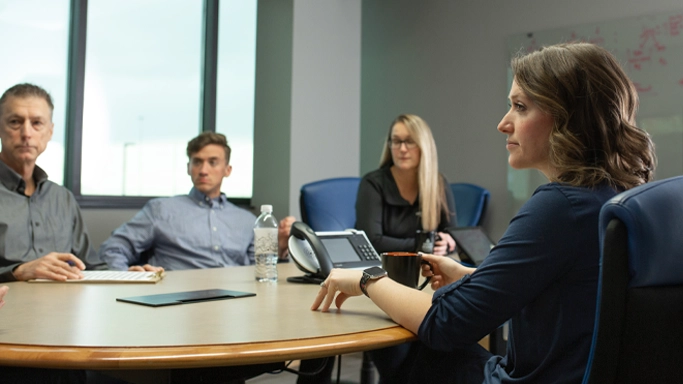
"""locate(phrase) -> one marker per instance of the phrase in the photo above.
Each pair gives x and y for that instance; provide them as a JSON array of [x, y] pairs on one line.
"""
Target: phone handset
[[309, 249]]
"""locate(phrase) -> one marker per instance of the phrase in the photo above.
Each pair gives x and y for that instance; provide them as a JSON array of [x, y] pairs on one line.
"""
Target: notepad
[[111, 277], [185, 297]]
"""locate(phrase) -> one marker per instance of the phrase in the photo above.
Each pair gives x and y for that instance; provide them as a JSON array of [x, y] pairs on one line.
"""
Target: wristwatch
[[372, 273]]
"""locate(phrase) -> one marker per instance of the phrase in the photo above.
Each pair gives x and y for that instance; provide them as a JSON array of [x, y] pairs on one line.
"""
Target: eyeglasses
[[396, 143]]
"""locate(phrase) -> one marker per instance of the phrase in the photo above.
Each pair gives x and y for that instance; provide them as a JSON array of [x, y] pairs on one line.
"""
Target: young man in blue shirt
[[199, 230]]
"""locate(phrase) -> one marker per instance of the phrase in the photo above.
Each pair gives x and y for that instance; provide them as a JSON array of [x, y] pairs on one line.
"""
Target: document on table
[[111, 277]]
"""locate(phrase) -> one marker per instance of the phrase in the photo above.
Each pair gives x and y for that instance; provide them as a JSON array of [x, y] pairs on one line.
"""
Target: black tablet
[[472, 242], [184, 297]]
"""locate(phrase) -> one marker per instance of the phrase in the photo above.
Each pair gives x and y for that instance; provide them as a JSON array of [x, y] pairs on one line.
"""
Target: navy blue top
[[543, 275]]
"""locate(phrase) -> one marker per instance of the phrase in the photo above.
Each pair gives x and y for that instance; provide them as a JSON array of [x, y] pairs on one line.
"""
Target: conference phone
[[316, 253]]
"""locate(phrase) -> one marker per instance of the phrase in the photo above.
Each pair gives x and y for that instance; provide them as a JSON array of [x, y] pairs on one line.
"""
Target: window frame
[[75, 91]]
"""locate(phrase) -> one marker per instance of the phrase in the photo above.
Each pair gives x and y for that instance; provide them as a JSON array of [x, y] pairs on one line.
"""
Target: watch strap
[[367, 277]]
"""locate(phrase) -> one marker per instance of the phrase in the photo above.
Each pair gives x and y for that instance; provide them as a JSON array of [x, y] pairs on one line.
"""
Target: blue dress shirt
[[183, 232]]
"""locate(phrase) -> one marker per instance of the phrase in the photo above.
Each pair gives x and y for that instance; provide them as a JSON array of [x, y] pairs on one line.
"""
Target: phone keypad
[[367, 252]]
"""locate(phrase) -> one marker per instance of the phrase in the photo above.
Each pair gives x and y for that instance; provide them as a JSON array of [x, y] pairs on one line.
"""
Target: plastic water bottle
[[265, 245]]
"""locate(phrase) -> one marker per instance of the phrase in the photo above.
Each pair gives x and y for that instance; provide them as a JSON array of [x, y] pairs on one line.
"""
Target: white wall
[[325, 114]]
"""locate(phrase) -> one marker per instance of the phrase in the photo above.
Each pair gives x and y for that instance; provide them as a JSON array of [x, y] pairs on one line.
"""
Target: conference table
[[83, 326]]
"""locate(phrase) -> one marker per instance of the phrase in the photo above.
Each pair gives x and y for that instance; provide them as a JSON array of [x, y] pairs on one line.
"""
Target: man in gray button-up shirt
[[42, 234]]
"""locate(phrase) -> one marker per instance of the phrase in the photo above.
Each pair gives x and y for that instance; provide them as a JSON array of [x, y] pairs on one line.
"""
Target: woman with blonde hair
[[407, 193], [572, 117]]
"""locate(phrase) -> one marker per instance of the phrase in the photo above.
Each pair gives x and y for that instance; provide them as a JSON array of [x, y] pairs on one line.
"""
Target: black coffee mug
[[405, 268], [424, 241]]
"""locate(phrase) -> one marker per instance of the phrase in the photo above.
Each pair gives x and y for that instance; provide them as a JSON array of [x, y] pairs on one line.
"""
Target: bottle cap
[[266, 208]]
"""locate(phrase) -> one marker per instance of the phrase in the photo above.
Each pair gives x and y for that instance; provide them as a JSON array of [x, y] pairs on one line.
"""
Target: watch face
[[375, 272]]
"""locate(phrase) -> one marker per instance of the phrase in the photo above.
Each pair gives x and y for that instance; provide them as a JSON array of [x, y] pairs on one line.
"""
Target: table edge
[[199, 356]]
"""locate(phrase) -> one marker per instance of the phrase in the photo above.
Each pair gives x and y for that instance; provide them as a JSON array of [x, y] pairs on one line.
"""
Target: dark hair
[[206, 138], [23, 91], [594, 138]]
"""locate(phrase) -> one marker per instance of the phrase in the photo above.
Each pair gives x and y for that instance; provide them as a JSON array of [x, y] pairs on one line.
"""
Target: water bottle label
[[265, 241]]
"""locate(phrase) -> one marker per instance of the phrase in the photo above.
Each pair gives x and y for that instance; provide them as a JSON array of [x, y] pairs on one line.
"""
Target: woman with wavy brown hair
[[572, 117], [594, 139]]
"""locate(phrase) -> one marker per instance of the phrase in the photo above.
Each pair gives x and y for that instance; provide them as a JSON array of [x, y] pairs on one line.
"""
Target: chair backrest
[[638, 334], [470, 203], [329, 205]]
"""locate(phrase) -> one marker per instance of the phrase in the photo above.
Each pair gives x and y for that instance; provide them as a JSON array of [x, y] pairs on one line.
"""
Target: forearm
[[117, 254], [383, 243], [370, 222], [124, 247], [406, 306]]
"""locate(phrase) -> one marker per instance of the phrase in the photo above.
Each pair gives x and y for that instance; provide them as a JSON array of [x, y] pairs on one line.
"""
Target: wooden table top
[[60, 325]]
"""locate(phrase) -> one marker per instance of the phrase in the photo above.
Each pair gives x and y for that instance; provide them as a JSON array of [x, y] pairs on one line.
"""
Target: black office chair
[[638, 334]]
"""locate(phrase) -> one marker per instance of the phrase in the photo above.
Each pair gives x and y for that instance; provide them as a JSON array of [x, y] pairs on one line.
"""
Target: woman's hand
[[344, 281], [443, 270], [406, 306], [444, 245]]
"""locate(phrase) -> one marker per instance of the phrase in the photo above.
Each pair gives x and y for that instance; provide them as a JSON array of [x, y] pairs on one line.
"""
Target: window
[[235, 90], [151, 77], [35, 46], [141, 96]]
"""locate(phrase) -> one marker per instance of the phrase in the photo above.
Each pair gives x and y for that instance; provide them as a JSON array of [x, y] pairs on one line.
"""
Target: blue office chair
[[329, 205], [470, 203], [638, 334]]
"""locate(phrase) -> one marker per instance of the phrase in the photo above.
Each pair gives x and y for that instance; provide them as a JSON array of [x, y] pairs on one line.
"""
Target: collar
[[14, 182], [202, 199]]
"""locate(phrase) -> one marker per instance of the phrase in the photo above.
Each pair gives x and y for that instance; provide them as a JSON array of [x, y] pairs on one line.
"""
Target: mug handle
[[427, 279]]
